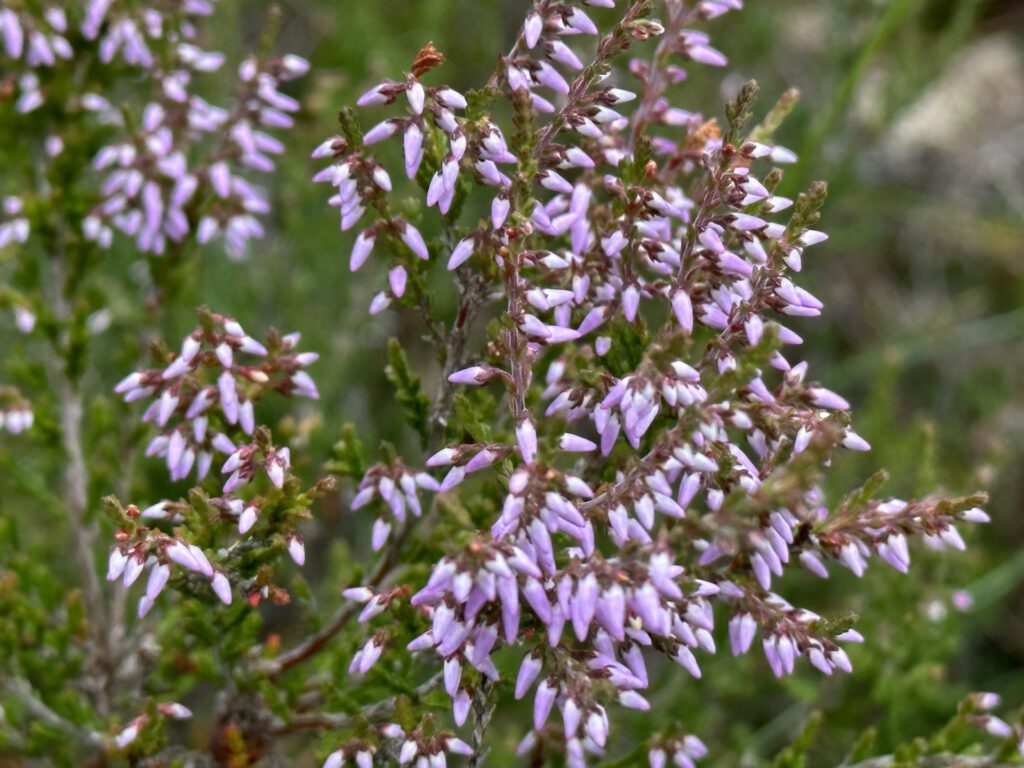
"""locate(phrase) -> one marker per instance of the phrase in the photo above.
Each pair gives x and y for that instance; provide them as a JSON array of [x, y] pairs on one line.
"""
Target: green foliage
[[349, 459], [795, 755], [473, 412], [740, 111], [408, 390]]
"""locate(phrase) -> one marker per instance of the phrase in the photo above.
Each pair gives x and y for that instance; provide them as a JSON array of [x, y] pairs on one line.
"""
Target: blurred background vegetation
[[913, 110]]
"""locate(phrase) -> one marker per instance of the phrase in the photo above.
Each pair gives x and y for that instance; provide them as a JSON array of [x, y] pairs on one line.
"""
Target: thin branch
[[314, 643], [76, 482], [484, 703], [378, 711], [22, 691], [472, 295], [677, 19]]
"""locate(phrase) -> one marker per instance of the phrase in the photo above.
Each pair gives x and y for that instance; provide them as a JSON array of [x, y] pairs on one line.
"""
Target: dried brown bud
[[709, 131], [427, 59]]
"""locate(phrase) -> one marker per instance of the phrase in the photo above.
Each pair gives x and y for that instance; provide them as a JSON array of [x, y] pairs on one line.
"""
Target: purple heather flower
[[576, 444], [360, 251], [380, 132], [414, 240], [221, 587], [296, 550], [463, 251]]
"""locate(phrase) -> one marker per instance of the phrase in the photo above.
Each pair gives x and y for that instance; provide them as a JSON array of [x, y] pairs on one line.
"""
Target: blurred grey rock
[[964, 135]]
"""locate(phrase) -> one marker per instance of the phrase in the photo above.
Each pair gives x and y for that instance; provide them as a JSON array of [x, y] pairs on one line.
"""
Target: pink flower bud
[[296, 550]]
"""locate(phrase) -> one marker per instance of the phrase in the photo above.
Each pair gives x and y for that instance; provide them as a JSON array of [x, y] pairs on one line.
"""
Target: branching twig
[[313, 644], [22, 691], [378, 711]]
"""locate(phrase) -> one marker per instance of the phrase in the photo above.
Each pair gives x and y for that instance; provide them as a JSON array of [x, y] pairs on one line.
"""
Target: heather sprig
[[219, 374], [660, 456], [204, 404]]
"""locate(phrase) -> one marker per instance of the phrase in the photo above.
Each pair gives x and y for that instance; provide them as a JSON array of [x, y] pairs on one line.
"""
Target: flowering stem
[[612, 44], [540, 7], [657, 82]]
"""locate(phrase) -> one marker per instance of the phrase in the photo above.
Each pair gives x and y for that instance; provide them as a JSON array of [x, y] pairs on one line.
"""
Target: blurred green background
[[913, 110]]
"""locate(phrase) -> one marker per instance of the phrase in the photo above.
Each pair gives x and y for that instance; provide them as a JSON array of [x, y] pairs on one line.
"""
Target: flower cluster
[[177, 166], [416, 747], [398, 487], [209, 389], [153, 177], [128, 560], [39, 42], [203, 402], [649, 284]]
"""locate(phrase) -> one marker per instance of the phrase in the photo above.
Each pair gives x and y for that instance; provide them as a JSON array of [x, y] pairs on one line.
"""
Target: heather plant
[[621, 454]]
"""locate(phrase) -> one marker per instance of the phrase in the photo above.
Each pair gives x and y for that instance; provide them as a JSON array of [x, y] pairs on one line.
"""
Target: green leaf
[[739, 111], [863, 748], [795, 755], [474, 412], [349, 457], [807, 210], [629, 341], [856, 499], [764, 130], [477, 102], [350, 127], [409, 391], [634, 170]]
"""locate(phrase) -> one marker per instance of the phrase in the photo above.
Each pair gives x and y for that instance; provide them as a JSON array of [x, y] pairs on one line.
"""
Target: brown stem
[[378, 711], [314, 643]]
